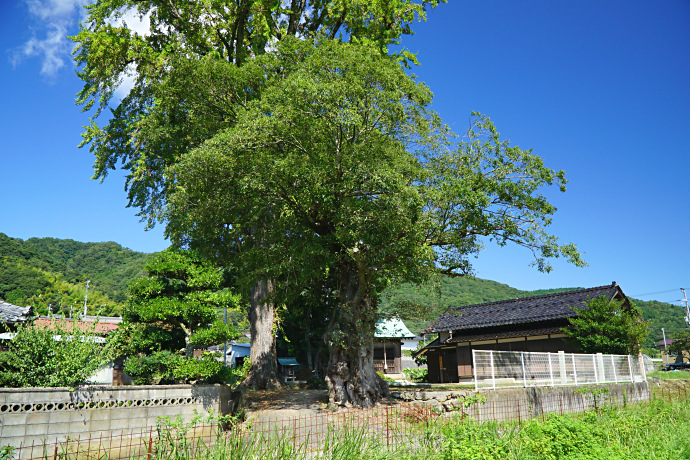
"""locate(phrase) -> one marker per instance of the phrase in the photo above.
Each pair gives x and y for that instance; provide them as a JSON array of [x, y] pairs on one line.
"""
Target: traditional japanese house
[[388, 339], [532, 324]]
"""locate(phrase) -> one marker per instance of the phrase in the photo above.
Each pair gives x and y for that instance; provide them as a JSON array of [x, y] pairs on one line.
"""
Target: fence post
[[632, 379], [388, 438], [562, 368], [524, 374], [596, 374], [493, 372], [613, 367], [548, 355], [572, 355], [474, 369]]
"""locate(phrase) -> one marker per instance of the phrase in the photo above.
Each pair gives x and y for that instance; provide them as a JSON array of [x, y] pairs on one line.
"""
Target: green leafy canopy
[[53, 356], [109, 51], [607, 326], [176, 306]]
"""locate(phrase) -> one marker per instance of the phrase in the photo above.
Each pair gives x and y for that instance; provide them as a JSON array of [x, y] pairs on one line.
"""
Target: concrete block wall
[[524, 403], [45, 415]]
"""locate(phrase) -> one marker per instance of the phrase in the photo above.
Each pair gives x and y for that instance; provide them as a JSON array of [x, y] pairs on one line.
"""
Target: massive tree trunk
[[264, 372], [351, 378]]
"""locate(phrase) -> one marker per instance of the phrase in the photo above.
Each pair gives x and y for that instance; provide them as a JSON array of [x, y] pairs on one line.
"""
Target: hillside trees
[[51, 271], [364, 183], [149, 130]]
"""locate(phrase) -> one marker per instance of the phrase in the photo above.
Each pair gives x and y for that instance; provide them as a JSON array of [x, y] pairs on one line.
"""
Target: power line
[[653, 293]]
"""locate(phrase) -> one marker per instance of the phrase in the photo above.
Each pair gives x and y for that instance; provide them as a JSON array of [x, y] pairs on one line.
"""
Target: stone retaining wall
[[38, 415]]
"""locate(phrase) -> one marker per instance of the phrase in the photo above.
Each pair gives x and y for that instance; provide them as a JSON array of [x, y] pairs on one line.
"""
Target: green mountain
[[51, 271], [418, 305], [43, 271]]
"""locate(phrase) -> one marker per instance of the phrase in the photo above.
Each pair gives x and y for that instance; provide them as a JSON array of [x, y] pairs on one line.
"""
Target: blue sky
[[599, 89]]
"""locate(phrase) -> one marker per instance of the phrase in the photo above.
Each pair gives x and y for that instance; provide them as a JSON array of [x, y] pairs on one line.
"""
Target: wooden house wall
[[452, 364], [393, 356]]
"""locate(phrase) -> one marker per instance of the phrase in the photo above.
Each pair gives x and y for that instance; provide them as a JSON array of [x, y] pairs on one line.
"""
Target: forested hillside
[[43, 271], [418, 305], [661, 314]]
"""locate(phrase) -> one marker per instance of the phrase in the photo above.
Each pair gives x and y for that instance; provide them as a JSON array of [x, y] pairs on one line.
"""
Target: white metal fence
[[506, 369]]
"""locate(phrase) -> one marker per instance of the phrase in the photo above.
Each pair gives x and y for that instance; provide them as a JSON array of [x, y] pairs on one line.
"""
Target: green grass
[[670, 375], [656, 430], [651, 431]]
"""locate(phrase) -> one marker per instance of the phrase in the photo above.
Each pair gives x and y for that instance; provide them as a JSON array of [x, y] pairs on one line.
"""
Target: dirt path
[[285, 404]]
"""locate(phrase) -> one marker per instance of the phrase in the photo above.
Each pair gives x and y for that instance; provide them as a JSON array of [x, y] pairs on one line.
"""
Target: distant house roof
[[101, 319], [392, 327], [12, 313], [663, 343], [526, 310], [101, 328]]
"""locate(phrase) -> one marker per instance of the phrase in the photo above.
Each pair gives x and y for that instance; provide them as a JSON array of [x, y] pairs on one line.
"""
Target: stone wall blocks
[[37, 417], [58, 428], [13, 419], [11, 431], [94, 426], [120, 424], [57, 413], [60, 417]]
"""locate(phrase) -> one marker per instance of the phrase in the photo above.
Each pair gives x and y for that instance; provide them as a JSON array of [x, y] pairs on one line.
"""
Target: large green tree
[[176, 305], [362, 183], [607, 326], [149, 128]]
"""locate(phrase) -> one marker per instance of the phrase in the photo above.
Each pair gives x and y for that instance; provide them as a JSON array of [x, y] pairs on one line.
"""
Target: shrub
[[55, 356], [419, 374]]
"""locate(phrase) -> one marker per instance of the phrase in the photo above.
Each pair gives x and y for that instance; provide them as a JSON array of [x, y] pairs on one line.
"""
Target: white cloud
[[134, 22], [48, 10], [51, 21]]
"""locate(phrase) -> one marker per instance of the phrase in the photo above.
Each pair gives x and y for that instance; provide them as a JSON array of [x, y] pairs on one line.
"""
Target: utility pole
[[225, 345], [687, 309], [665, 347], [86, 294]]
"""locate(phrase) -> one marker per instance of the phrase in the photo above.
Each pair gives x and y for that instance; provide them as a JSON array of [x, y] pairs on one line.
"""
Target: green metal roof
[[392, 327], [288, 362]]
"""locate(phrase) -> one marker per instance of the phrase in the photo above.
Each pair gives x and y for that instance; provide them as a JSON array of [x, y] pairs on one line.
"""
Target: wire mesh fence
[[506, 369], [120, 444], [386, 427]]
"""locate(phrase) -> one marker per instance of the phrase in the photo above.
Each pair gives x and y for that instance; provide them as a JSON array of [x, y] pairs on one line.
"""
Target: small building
[[533, 324], [11, 315], [388, 340], [236, 353], [287, 368], [672, 358]]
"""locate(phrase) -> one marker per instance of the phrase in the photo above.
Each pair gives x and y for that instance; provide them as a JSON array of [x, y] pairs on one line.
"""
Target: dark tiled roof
[[507, 334], [12, 313], [520, 311]]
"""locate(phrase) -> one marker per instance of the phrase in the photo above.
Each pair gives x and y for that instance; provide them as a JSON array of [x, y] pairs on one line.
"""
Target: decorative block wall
[[37, 415]]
